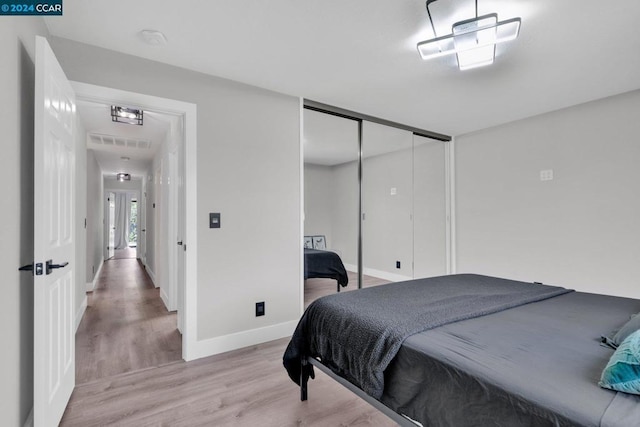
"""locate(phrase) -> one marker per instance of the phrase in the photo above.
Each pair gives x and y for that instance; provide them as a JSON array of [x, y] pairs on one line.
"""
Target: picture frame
[[319, 242], [308, 242]]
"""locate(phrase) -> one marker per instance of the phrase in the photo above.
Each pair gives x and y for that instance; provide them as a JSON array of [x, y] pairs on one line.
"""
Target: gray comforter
[[357, 334]]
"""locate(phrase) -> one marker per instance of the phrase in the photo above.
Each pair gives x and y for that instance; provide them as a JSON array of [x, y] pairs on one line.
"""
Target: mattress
[[532, 365]]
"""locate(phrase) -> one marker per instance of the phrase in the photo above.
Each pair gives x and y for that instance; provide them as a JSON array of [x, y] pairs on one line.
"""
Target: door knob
[[51, 266], [36, 269], [180, 242]]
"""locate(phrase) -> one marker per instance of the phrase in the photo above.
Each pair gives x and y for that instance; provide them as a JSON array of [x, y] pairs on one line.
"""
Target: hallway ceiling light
[[126, 115], [123, 177], [473, 40]]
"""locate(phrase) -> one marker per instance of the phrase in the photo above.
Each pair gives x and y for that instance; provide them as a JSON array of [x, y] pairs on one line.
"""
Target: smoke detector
[[153, 37]]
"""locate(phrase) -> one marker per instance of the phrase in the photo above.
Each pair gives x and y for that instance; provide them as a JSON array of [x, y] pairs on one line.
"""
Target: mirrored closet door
[[331, 151], [376, 195]]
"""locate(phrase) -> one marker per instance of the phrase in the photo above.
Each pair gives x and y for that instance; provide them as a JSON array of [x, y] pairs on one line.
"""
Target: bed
[[324, 265], [469, 350]]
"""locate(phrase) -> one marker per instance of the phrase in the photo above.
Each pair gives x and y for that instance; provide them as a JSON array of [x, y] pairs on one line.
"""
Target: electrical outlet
[[260, 308], [397, 264]]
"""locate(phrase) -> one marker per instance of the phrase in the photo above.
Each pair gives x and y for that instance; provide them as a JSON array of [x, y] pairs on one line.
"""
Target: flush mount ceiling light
[[126, 115], [473, 40], [123, 177]]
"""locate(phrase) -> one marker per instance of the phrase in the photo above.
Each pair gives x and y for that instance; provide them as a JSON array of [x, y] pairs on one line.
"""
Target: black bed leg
[[338, 285], [304, 378]]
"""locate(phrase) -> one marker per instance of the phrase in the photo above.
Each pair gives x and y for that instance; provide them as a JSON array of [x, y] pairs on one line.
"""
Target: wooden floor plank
[[130, 373], [245, 387], [126, 326]]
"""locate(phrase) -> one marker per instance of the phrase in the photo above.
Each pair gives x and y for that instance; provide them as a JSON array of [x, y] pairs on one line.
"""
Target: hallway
[[126, 326]]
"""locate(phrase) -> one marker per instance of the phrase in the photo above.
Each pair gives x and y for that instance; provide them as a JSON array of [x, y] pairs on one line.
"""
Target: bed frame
[[400, 419]]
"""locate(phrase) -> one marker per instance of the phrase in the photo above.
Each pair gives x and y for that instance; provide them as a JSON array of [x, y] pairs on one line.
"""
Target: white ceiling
[[112, 141], [361, 55]]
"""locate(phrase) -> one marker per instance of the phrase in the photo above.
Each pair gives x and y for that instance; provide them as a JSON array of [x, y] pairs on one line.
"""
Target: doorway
[[143, 231]]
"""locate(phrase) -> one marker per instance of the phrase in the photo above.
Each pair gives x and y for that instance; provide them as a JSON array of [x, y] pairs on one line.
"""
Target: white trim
[[165, 299], [188, 111], [385, 275], [351, 267], [92, 285], [451, 207], [242, 339], [80, 312], [29, 421], [152, 276], [393, 277]]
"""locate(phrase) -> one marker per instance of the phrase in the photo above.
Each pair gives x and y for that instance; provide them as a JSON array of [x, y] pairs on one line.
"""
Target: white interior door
[[181, 205], [54, 345]]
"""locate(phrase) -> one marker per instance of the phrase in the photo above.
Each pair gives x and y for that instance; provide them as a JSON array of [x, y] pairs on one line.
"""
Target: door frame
[[187, 317]]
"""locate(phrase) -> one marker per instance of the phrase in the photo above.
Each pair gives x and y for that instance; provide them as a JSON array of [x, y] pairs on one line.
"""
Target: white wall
[[580, 230], [95, 216], [429, 208], [17, 75], [344, 208], [318, 201], [248, 170]]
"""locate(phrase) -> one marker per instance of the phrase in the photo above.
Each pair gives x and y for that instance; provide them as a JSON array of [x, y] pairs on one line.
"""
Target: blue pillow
[[622, 373], [614, 339]]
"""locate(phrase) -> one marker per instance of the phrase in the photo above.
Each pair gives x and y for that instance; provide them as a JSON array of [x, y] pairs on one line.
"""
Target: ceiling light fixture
[[123, 177], [472, 40], [126, 115]]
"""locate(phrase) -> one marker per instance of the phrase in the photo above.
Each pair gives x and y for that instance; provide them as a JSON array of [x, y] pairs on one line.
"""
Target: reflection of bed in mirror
[[324, 265], [468, 350]]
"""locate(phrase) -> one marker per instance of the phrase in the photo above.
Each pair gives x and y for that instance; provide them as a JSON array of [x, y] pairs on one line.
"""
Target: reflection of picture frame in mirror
[[319, 243], [308, 242]]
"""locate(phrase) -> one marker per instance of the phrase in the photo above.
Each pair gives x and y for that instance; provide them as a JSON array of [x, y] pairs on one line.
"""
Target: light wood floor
[[125, 253], [245, 387], [316, 288], [126, 326]]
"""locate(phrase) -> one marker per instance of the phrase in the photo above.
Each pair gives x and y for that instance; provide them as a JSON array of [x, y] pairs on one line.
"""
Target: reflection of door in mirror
[[403, 204], [331, 187], [387, 201]]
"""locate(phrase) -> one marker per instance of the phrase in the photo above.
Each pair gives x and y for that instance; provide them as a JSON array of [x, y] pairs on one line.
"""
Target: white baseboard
[[385, 275], [152, 275], [352, 268], [92, 285], [165, 299], [393, 277], [80, 312], [225, 343], [29, 421]]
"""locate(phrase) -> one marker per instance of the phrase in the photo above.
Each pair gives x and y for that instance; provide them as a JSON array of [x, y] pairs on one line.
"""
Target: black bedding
[[527, 365], [324, 265]]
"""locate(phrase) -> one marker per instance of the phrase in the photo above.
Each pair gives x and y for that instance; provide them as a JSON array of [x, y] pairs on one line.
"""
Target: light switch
[[394, 191], [546, 175], [214, 220]]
